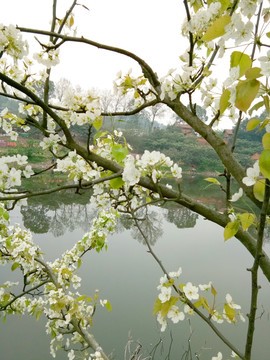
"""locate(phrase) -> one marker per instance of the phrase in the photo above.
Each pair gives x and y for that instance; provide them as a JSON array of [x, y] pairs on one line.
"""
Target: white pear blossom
[[176, 171], [237, 195], [175, 273], [165, 294], [191, 291], [231, 303], [188, 310], [218, 357], [131, 175], [205, 287], [71, 355], [162, 321], [175, 315], [163, 280], [252, 174]]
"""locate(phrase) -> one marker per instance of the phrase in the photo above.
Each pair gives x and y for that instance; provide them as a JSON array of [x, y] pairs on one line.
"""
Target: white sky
[[149, 28]]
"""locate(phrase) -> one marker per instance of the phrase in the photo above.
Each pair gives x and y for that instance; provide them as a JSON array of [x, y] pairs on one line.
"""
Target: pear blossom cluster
[[11, 42], [12, 168], [201, 20], [139, 87], [76, 167], [177, 81], [48, 57], [83, 108], [166, 304], [150, 164], [8, 121]]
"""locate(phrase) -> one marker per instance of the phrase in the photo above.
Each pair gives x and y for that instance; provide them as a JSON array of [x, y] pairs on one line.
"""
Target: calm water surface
[[127, 275]]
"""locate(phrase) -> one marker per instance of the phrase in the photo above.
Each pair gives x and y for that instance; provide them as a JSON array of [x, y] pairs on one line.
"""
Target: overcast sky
[[149, 28]]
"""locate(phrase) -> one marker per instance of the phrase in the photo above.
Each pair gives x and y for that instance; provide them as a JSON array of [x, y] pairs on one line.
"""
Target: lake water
[[127, 275]]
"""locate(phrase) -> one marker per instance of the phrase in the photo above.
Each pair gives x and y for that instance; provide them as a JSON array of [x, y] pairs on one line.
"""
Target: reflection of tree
[[36, 219], [58, 213], [181, 217], [150, 223], [67, 211]]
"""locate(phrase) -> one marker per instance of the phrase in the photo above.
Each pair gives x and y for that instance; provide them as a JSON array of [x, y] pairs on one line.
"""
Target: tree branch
[[146, 69], [254, 272]]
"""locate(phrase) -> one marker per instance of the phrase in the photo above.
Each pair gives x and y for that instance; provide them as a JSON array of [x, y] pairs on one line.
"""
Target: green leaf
[[166, 306], [197, 5], [197, 304], [230, 312], [119, 152], [246, 92], [266, 141], [256, 107], [252, 124], [38, 314], [98, 122], [4, 213], [259, 189], [217, 29], [213, 290], [266, 103], [264, 163], [157, 306], [224, 101], [14, 266], [205, 304], [242, 60], [117, 183], [108, 306], [100, 134], [265, 122], [231, 229], [71, 21], [212, 180], [246, 220], [253, 73]]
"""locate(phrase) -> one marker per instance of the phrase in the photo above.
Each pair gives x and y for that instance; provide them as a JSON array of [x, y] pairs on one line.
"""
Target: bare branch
[[146, 69]]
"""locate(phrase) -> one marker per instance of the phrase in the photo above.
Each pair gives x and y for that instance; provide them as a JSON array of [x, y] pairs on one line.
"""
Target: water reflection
[[127, 275], [58, 213], [65, 212]]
